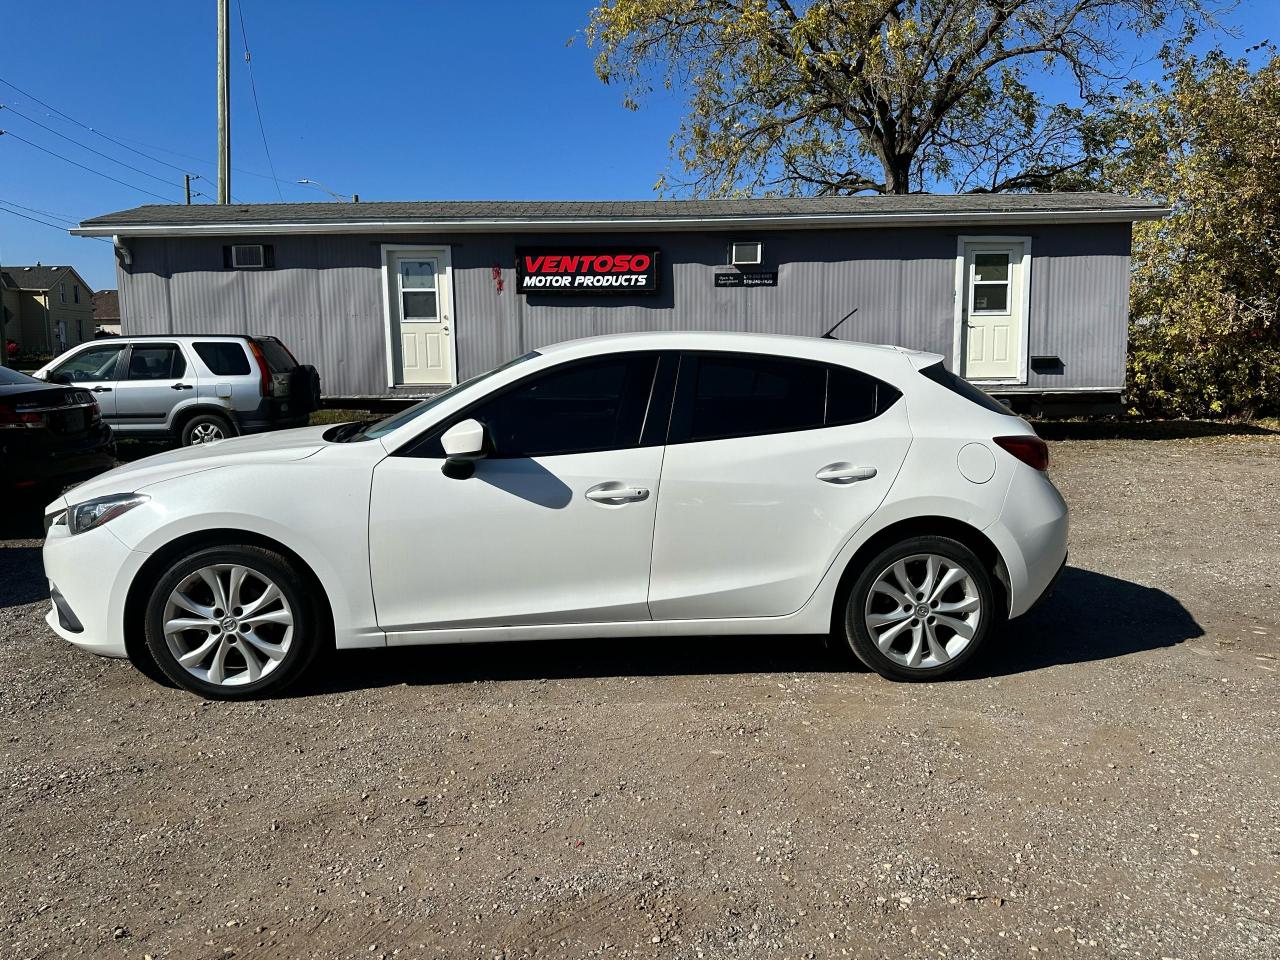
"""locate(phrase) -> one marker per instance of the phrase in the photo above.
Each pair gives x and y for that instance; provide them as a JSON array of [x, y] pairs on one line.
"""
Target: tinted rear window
[[741, 395], [279, 359], [944, 377], [9, 377], [223, 359]]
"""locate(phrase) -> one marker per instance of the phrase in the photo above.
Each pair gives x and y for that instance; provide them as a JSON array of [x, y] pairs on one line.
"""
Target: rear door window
[[222, 358], [156, 361], [741, 395]]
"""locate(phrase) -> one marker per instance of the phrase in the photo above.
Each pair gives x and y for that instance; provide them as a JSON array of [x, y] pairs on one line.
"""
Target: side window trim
[[420, 445]]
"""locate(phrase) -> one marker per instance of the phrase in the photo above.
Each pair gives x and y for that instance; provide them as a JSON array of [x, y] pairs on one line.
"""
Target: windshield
[[380, 428]]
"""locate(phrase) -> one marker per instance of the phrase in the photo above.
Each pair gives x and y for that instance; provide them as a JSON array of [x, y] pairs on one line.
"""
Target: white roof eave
[[628, 224]]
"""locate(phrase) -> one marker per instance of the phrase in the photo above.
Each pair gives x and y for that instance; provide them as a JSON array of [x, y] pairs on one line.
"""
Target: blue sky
[[391, 99]]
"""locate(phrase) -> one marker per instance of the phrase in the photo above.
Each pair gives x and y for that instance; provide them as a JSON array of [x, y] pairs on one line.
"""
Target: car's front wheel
[[921, 609], [232, 622]]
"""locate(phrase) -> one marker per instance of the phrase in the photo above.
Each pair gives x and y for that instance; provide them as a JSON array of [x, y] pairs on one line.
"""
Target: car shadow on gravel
[[21, 576], [1089, 617]]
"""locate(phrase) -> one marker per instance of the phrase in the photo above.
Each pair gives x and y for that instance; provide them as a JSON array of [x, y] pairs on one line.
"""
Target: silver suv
[[192, 389]]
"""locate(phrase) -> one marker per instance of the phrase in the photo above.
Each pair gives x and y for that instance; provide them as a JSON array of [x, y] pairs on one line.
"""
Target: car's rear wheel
[[232, 623], [921, 609], [206, 428]]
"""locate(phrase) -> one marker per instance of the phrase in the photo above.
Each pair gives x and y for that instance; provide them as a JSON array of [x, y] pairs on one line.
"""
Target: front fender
[[321, 514]]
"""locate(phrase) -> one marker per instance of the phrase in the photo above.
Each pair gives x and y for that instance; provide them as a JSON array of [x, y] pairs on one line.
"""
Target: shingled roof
[[166, 219], [38, 277]]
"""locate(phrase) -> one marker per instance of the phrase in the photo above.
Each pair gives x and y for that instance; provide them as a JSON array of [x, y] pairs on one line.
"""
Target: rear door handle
[[181, 386], [614, 491], [844, 473], [101, 389]]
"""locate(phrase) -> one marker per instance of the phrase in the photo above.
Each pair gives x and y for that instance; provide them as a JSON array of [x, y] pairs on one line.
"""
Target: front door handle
[[844, 473], [181, 386], [614, 491], [101, 389]]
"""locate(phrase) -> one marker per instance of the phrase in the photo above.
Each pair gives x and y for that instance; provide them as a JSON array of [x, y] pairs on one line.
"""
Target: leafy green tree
[[891, 96], [1205, 330]]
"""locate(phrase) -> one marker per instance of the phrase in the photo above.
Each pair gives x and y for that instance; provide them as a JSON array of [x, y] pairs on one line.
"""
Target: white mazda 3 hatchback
[[628, 486]]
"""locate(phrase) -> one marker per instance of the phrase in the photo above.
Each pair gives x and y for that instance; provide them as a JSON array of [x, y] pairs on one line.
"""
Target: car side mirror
[[464, 444], [61, 378]]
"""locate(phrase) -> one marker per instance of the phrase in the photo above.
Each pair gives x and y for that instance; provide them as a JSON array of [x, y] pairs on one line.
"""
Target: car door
[[156, 378], [772, 465], [95, 368], [555, 526]]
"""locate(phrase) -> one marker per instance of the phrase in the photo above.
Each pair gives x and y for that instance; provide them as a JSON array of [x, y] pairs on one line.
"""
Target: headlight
[[94, 513]]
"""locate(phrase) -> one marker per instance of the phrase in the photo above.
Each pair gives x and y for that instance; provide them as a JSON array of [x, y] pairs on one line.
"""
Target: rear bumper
[[272, 414], [30, 465], [1031, 535]]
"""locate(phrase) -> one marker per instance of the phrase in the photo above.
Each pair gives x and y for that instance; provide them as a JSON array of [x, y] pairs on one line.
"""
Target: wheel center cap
[[922, 610], [229, 624]]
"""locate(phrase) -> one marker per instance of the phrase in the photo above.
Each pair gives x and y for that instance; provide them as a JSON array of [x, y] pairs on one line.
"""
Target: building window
[[248, 256], [746, 253], [990, 283], [62, 292], [75, 292]]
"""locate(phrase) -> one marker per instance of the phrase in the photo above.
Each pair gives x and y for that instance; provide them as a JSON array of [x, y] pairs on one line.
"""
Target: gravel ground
[[1104, 783]]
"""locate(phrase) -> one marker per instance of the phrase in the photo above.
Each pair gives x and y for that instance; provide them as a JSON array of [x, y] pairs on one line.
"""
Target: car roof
[[817, 348]]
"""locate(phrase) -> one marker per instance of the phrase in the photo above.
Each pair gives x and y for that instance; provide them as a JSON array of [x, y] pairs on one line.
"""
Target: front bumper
[[90, 574]]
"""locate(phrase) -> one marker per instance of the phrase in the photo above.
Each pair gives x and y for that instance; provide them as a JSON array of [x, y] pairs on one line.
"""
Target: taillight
[[264, 370], [1032, 451], [15, 417]]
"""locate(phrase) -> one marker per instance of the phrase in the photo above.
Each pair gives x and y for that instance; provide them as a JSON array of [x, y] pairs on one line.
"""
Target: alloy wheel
[[923, 611], [207, 433], [228, 624]]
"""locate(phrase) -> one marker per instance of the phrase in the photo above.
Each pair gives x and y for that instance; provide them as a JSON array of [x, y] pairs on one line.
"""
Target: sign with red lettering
[[607, 270]]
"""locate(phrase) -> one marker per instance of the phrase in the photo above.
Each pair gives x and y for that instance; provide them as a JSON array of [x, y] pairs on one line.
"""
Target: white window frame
[[262, 256], [390, 288], [962, 293], [733, 253]]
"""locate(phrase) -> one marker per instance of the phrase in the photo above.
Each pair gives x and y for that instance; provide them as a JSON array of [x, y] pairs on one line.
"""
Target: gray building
[[1027, 295]]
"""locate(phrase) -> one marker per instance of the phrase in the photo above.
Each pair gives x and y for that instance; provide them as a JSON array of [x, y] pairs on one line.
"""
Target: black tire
[[199, 429], [987, 619], [307, 637]]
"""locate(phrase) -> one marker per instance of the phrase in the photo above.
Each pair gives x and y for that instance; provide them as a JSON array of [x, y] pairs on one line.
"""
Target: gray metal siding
[[324, 296]]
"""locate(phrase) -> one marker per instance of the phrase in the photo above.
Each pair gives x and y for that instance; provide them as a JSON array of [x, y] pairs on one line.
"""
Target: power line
[[107, 176], [120, 141], [253, 86], [45, 213], [99, 153], [93, 130], [43, 223]]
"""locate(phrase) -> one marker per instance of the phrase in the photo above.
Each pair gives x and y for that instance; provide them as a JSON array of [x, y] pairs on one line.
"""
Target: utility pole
[[224, 103], [186, 182]]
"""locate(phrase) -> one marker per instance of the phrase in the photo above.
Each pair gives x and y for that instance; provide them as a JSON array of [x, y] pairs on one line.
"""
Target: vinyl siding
[[324, 296]]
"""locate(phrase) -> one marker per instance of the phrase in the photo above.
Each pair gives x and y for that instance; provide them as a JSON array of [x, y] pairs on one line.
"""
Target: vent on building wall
[[746, 253]]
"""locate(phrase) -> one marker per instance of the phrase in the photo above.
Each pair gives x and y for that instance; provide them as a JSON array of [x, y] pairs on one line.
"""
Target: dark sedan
[[51, 435]]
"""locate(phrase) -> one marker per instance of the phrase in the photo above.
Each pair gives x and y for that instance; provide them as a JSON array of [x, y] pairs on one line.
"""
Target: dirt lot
[[1106, 783]]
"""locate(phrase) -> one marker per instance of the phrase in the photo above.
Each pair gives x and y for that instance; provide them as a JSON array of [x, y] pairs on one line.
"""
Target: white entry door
[[421, 304], [993, 311]]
